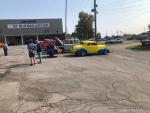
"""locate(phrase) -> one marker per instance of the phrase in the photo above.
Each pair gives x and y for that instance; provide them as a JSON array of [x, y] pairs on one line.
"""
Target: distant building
[[19, 31]]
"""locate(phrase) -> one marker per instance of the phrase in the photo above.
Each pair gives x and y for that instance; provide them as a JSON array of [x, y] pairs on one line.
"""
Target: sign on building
[[28, 26]]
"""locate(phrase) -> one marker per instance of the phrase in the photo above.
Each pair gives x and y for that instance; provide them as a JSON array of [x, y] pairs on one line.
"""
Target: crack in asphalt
[[3, 75]]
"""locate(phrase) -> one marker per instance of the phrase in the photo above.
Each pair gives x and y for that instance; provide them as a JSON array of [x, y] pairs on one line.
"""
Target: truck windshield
[[67, 42]]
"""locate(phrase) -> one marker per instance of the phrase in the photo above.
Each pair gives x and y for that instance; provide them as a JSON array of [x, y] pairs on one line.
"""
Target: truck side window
[[71, 42], [77, 41]]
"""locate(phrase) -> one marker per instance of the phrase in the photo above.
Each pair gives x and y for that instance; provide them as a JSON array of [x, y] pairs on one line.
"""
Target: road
[[115, 83]]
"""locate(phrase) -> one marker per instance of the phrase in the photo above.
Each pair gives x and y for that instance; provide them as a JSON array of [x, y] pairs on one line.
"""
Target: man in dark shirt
[[39, 51]]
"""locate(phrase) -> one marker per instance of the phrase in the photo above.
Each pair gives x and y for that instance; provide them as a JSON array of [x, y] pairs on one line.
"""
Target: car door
[[94, 47], [91, 48], [68, 45]]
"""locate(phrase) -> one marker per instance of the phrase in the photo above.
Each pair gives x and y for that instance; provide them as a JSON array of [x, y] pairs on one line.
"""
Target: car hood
[[78, 46]]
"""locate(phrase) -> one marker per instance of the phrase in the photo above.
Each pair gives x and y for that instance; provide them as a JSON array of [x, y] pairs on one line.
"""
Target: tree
[[84, 28], [149, 27], [74, 34]]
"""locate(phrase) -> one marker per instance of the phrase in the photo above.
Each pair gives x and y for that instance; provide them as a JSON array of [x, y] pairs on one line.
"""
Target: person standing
[[39, 51], [5, 48], [32, 51]]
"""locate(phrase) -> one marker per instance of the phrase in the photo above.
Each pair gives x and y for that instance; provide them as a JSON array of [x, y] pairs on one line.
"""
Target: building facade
[[19, 31]]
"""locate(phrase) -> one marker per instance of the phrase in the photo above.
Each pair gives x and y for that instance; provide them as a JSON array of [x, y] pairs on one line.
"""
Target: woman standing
[[5, 48]]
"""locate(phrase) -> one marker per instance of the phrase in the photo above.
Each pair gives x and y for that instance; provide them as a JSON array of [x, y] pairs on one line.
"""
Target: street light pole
[[66, 8], [95, 19], [95, 13]]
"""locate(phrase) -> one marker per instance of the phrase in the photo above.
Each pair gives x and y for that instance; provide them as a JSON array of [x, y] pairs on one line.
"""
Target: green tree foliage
[[84, 28]]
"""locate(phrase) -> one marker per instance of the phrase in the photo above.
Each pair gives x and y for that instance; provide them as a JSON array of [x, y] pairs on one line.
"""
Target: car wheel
[[103, 52], [83, 53]]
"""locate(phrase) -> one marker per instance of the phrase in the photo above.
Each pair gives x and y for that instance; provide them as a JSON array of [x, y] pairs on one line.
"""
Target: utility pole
[[117, 32], [95, 19], [106, 33], [149, 27], [66, 8], [144, 29]]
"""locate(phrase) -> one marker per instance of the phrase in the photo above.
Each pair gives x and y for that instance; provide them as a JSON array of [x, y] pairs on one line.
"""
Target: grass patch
[[139, 48]]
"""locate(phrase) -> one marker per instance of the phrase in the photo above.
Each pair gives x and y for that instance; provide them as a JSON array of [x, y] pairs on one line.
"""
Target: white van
[[69, 43]]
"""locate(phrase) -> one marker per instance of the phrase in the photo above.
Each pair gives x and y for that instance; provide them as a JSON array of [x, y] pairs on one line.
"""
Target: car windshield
[[68, 42]]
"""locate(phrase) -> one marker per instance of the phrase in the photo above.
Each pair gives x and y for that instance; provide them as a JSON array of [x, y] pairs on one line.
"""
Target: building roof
[[15, 27]]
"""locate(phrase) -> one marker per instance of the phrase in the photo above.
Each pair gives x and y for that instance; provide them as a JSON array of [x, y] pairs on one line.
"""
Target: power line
[[129, 18], [123, 10], [88, 5], [125, 7], [120, 2]]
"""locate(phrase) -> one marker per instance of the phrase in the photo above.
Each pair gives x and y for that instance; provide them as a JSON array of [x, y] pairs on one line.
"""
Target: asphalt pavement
[[114, 83]]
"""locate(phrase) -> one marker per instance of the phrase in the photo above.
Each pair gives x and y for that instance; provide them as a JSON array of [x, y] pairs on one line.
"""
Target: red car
[[51, 46], [146, 42]]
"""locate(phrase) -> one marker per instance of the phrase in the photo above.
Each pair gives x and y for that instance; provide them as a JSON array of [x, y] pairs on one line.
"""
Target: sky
[[122, 16]]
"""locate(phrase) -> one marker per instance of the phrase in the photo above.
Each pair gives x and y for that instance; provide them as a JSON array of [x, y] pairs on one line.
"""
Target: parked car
[[69, 43], [146, 42], [51, 46], [89, 47], [114, 41]]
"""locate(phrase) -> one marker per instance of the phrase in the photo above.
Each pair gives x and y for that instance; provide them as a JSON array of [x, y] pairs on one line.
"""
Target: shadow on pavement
[[15, 66], [74, 56], [139, 48], [70, 55], [46, 57]]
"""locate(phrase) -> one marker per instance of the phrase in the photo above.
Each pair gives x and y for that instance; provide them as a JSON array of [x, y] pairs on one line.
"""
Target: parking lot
[[114, 83]]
